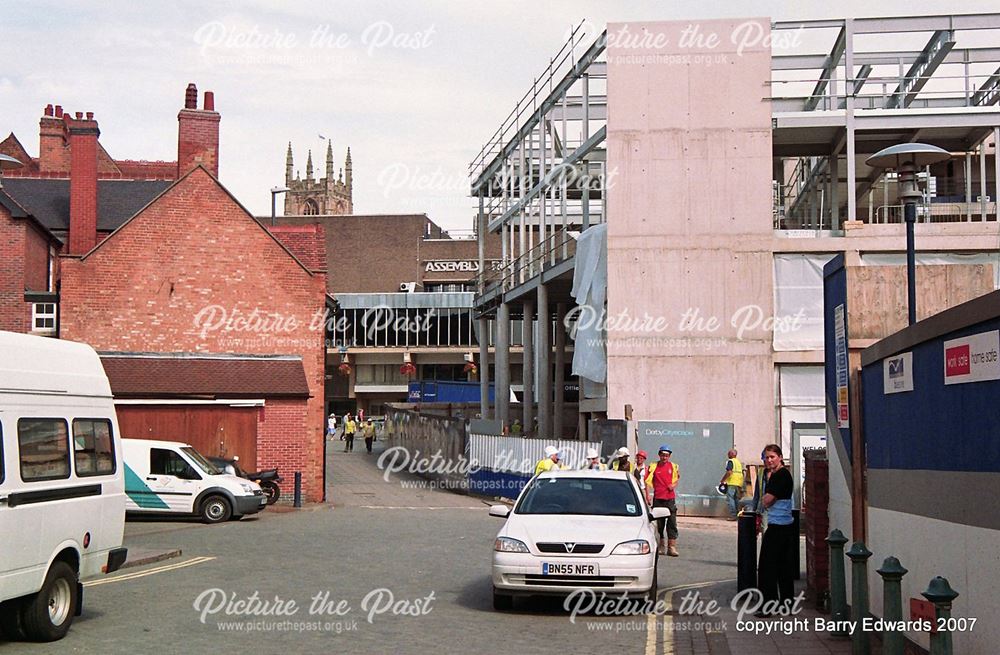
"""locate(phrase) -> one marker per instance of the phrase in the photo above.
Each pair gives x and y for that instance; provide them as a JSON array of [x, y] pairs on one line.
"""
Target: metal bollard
[[838, 581], [941, 594], [746, 550], [860, 640], [892, 572], [297, 502]]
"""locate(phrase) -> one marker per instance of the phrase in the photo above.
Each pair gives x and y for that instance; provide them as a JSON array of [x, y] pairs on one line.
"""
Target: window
[[310, 208], [43, 449], [167, 462], [93, 448], [43, 317]]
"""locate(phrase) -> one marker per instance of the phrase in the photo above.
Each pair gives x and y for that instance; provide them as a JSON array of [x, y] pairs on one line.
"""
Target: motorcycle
[[268, 479]]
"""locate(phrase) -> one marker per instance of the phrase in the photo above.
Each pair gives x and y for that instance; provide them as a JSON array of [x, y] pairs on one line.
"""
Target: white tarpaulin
[[590, 286], [800, 390], [798, 301], [936, 259]]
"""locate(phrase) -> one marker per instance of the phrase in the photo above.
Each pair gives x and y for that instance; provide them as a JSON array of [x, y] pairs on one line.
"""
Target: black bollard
[[297, 502], [746, 550]]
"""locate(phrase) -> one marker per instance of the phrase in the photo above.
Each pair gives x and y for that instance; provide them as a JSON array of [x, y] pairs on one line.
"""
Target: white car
[[574, 530]]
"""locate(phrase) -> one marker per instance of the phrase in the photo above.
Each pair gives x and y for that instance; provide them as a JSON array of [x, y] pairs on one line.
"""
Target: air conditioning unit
[[408, 287]]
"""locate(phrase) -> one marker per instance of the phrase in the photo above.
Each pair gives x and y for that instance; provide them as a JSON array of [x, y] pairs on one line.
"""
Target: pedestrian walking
[[350, 429], [733, 479], [331, 426], [662, 482], [369, 434]]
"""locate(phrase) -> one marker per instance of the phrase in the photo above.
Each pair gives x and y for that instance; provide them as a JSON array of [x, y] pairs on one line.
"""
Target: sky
[[414, 88]]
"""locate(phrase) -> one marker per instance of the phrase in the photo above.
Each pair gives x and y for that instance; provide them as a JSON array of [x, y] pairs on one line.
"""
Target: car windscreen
[[200, 461], [594, 496]]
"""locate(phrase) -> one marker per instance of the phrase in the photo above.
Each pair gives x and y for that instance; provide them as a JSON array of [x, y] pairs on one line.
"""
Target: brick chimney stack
[[83, 134], [53, 148], [198, 133]]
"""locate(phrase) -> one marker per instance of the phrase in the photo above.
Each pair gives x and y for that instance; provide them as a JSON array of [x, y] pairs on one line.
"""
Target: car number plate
[[568, 568]]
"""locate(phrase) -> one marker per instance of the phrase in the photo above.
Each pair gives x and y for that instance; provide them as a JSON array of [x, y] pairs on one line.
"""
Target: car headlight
[[508, 545], [635, 547], [247, 487]]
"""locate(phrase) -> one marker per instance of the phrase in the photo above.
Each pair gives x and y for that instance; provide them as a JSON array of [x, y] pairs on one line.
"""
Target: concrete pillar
[[581, 424], [528, 367], [502, 393], [484, 369], [544, 363], [560, 375]]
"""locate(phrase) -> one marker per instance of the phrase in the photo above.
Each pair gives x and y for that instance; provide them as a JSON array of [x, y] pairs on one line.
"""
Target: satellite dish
[[7, 162]]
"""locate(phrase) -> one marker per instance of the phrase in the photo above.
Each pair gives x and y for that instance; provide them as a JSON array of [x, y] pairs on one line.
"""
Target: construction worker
[[549, 462], [594, 462], [350, 429], [662, 483], [641, 469], [621, 461], [733, 479]]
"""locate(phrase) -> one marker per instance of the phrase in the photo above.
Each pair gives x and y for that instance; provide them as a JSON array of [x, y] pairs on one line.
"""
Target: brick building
[[202, 316]]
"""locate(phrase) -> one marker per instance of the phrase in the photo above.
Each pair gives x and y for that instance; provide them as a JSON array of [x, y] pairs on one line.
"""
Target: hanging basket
[[344, 369], [470, 367], [408, 369]]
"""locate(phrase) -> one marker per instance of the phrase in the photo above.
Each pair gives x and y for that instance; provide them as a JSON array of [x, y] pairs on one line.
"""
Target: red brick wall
[[36, 259], [82, 185], [280, 444], [193, 250], [815, 514], [15, 314]]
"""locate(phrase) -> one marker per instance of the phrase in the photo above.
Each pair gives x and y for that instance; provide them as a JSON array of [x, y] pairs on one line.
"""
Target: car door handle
[[152, 478], [3, 500]]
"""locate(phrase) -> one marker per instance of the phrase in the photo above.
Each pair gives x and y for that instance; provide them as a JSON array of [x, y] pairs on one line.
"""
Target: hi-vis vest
[[546, 465], [736, 475], [652, 469]]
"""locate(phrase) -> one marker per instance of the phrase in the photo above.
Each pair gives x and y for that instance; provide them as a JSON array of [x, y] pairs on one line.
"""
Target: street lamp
[[906, 159], [7, 163], [274, 193]]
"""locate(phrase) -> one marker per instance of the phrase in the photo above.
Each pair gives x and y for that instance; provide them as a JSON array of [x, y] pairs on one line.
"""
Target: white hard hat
[[551, 450], [622, 452], [592, 453]]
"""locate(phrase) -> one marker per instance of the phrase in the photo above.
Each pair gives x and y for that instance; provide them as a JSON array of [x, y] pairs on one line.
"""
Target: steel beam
[[829, 68], [989, 92], [937, 48]]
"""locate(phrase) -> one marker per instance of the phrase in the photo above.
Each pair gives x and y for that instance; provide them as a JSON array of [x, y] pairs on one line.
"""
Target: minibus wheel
[[47, 615], [215, 509]]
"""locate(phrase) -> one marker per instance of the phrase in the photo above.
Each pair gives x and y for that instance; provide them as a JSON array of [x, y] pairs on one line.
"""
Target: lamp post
[[906, 159], [7, 163], [274, 193]]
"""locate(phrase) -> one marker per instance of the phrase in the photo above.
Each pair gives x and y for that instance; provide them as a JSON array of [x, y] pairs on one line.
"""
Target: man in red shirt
[[662, 481]]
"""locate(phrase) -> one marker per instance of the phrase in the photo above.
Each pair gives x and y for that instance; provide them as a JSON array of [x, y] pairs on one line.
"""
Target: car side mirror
[[659, 513], [500, 511]]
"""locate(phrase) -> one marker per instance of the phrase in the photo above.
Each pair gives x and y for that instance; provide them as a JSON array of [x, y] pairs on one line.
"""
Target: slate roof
[[221, 376], [117, 200]]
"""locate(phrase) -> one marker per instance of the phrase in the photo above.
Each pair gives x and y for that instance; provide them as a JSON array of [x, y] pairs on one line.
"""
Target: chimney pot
[[79, 115], [90, 115], [59, 111], [48, 110], [209, 101], [191, 97]]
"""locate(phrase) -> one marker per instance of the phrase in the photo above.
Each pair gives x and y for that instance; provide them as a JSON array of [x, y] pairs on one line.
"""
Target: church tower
[[331, 194]]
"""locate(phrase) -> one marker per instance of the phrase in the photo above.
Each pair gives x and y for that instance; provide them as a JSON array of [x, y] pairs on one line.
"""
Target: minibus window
[[43, 449], [1, 454], [167, 462], [93, 449]]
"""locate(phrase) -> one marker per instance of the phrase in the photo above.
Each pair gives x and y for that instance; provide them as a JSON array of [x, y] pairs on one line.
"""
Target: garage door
[[213, 430]]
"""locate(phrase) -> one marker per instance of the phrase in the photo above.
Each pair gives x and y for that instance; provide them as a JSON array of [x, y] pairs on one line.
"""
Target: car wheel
[[502, 602], [215, 509], [651, 594], [47, 615]]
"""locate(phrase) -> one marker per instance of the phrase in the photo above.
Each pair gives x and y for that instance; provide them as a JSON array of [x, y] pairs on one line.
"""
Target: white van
[[62, 500], [169, 477]]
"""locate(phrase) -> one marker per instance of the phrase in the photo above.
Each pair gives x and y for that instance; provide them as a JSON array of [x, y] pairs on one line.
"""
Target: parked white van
[[62, 500], [169, 477]]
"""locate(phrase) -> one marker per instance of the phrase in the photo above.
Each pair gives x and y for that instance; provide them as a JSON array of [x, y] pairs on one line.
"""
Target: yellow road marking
[[152, 571], [651, 631]]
